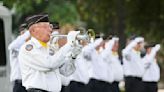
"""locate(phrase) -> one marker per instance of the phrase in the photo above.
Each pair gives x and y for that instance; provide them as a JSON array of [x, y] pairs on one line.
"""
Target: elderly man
[[111, 57], [39, 65]]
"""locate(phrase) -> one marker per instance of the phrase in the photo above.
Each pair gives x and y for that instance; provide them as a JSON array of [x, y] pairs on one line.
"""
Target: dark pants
[[18, 86], [77, 87], [115, 87], [133, 84], [35, 90], [99, 86], [65, 89], [150, 86]]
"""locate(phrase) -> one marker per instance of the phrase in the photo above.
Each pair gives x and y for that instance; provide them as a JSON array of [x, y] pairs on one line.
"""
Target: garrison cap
[[36, 19], [22, 27]]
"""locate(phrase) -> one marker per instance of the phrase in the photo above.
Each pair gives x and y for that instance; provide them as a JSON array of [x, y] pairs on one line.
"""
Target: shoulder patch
[[29, 47]]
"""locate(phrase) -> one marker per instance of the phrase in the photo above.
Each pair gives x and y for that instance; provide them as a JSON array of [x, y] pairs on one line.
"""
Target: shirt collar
[[36, 42], [138, 52], [114, 53]]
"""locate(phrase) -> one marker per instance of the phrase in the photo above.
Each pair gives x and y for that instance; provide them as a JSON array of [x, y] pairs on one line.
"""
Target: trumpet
[[88, 36]]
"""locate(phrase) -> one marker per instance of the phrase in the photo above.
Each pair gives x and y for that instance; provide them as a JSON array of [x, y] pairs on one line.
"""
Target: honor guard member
[[99, 74], [14, 47], [56, 41], [133, 65], [80, 78], [69, 66], [151, 75], [114, 64], [40, 67]]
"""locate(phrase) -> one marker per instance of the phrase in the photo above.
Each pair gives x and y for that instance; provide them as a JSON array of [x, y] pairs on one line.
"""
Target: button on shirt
[[39, 68]]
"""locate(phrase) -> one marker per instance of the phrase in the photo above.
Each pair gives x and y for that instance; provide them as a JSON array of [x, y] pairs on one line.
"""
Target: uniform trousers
[[77, 87], [95, 85], [65, 88], [18, 86], [150, 86], [133, 84], [115, 87]]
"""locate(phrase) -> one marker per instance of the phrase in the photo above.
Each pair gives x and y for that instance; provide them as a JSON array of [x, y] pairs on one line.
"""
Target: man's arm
[[19, 41], [131, 45], [39, 60], [42, 61]]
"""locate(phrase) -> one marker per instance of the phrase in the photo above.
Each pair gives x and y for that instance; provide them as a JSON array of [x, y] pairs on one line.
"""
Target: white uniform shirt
[[132, 61], [109, 73], [116, 67], [14, 47], [40, 69], [81, 74], [152, 71], [98, 66], [65, 80]]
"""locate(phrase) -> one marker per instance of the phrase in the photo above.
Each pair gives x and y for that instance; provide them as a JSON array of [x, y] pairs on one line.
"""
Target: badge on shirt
[[29, 47], [14, 53]]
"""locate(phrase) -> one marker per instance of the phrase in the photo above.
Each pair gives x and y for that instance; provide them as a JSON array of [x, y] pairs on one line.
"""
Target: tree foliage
[[58, 10]]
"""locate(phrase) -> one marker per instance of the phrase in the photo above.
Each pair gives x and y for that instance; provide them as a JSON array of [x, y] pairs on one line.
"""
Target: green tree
[[58, 10]]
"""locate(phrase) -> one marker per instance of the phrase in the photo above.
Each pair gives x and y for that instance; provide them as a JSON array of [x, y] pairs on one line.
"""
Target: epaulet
[[29, 47]]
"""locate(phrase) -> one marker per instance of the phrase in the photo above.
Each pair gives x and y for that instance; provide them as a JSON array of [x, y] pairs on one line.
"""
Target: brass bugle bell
[[86, 36]]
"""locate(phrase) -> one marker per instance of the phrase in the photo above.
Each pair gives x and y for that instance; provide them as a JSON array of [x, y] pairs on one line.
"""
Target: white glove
[[97, 42], [109, 44], [139, 39], [71, 37], [115, 38], [157, 47]]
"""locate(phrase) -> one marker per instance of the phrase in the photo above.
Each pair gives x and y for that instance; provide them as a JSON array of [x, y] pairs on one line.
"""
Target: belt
[[35, 90], [132, 77], [18, 81]]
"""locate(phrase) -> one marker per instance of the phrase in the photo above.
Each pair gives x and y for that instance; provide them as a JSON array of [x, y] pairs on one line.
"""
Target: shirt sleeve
[[129, 47], [150, 57], [87, 52], [19, 41], [43, 61]]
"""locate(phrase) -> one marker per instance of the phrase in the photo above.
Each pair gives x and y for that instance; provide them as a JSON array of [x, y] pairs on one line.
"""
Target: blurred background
[[121, 17]]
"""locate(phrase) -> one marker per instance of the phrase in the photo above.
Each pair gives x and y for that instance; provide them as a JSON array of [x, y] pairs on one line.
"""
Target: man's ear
[[32, 31]]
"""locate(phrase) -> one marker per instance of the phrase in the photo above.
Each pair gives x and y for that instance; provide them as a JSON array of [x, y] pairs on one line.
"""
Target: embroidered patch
[[29, 47]]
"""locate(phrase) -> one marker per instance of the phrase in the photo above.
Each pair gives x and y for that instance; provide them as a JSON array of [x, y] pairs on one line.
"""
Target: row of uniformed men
[[100, 70], [93, 67]]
